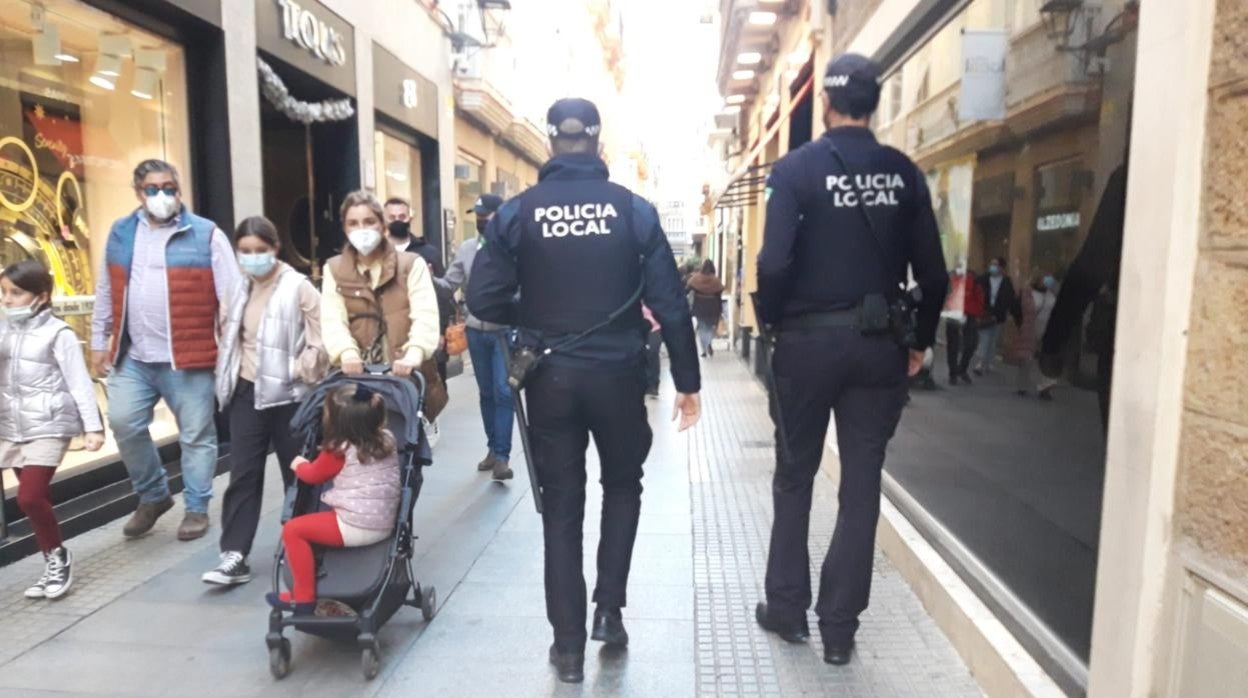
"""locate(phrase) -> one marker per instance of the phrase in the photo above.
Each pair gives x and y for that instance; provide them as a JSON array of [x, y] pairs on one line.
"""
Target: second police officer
[[849, 221], [583, 254]]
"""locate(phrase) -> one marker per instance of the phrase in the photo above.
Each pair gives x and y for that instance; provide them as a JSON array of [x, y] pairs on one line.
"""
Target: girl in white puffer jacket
[[46, 399]]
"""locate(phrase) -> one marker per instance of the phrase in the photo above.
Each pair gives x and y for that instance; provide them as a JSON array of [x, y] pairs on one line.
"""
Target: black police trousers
[[861, 382], [565, 406]]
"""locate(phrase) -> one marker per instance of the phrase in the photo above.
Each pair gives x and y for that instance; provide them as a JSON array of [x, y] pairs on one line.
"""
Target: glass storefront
[[84, 96], [1008, 462], [399, 174]]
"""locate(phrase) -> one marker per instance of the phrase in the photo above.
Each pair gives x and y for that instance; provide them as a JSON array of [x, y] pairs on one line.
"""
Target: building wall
[[1211, 508]]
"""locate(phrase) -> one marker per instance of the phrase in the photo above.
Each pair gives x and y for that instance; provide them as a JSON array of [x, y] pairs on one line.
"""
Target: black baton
[[518, 402], [773, 390]]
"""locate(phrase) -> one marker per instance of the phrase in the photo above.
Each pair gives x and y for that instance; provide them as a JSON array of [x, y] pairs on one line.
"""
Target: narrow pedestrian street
[[140, 621]]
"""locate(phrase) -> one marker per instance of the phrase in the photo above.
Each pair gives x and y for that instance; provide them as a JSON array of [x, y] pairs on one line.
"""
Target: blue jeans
[[134, 388], [989, 345], [497, 411]]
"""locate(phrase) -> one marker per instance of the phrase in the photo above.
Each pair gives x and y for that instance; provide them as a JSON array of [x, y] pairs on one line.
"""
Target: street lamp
[[1060, 18]]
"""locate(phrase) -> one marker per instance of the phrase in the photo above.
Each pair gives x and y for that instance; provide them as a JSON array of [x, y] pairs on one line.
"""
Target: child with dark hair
[[359, 455], [46, 399]]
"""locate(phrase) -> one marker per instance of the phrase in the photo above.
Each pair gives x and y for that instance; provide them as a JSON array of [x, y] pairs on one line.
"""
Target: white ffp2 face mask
[[162, 206], [364, 240]]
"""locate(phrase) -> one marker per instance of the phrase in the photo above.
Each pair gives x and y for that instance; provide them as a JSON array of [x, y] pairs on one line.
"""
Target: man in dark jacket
[[999, 297]]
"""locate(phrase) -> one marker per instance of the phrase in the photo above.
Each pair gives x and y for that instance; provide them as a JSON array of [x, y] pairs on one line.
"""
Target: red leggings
[[35, 501], [298, 535]]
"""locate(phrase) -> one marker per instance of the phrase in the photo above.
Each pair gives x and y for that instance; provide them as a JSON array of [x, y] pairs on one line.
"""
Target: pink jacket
[[366, 495]]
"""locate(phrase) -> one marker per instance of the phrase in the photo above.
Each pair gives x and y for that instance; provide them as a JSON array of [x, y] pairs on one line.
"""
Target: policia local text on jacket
[[577, 247], [818, 262]]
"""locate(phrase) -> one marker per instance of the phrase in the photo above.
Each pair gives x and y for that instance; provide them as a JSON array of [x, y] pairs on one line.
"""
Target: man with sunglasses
[[154, 334]]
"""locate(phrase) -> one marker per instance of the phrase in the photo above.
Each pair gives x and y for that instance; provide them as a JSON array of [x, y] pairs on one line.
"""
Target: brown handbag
[[436, 396], [456, 339]]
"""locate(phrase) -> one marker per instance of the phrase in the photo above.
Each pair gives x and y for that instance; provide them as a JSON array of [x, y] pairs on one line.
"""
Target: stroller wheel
[[429, 603], [370, 662], [279, 660]]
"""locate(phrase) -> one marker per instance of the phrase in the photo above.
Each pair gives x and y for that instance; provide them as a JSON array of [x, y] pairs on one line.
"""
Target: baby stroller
[[369, 583]]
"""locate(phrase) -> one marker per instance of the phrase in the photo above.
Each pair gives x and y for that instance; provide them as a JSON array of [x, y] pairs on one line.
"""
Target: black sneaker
[[60, 574], [232, 570]]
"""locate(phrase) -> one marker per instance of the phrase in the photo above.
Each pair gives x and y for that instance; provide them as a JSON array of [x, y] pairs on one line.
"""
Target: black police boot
[[609, 627], [570, 666], [838, 654], [789, 632]]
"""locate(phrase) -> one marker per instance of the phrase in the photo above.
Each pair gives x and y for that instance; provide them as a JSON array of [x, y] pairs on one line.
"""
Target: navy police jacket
[[818, 253], [577, 248]]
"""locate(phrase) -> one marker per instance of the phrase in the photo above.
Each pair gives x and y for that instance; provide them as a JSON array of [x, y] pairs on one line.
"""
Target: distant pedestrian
[[271, 355], [708, 295], [46, 399], [166, 274], [654, 346], [398, 214], [999, 297], [966, 300], [360, 456], [1034, 307], [485, 348]]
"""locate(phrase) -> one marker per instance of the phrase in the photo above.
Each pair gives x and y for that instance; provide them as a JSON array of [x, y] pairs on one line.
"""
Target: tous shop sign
[[310, 37], [303, 27]]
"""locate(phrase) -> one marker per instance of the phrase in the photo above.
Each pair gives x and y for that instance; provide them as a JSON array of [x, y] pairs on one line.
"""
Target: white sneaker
[[432, 433], [37, 590], [60, 574]]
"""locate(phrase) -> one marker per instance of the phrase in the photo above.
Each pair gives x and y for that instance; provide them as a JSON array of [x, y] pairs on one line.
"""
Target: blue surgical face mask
[[994, 269], [1049, 282], [19, 313], [257, 264]]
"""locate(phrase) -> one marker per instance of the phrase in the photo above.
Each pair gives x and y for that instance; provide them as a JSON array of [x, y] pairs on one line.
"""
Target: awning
[[747, 170], [744, 190]]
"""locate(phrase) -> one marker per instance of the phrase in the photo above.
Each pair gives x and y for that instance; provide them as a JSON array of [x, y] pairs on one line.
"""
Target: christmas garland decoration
[[275, 91]]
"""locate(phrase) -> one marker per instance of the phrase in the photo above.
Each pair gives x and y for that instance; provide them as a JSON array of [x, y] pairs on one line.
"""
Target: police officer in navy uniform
[[848, 219], [581, 250]]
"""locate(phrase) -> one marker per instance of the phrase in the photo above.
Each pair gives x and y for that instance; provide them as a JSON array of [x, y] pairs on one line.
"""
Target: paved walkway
[[140, 622]]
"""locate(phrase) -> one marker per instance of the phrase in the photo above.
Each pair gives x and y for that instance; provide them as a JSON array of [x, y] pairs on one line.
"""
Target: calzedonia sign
[[303, 27]]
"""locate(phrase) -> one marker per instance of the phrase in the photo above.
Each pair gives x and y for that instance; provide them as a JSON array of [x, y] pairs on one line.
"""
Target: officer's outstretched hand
[[916, 362], [688, 409]]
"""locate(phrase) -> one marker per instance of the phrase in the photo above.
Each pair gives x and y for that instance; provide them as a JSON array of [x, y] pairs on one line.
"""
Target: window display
[[84, 96]]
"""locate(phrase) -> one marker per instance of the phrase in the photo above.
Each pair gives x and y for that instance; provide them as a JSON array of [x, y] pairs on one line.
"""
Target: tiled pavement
[[139, 622]]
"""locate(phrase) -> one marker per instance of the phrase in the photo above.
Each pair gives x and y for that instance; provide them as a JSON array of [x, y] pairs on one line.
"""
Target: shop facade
[[323, 98], [497, 152], [87, 90]]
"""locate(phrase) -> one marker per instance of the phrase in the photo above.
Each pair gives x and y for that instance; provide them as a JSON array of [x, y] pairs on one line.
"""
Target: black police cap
[[573, 118], [854, 81], [486, 204]]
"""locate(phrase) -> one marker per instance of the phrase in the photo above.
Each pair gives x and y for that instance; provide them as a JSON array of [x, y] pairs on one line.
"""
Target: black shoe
[[838, 655], [953, 380], [569, 666], [58, 574], [232, 570], [1046, 394], [796, 634], [966, 380], [609, 627]]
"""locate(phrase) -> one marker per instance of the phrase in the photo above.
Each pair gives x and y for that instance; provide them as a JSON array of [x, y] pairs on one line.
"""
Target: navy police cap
[[573, 118], [486, 204]]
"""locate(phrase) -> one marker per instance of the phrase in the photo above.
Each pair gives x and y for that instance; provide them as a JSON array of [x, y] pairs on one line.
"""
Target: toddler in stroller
[[354, 501]]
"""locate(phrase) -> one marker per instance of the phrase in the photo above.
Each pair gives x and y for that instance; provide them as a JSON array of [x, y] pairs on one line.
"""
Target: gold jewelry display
[[34, 176]]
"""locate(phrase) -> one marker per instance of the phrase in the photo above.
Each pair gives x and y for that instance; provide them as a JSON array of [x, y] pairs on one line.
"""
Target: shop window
[[84, 96], [398, 175], [1007, 461]]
